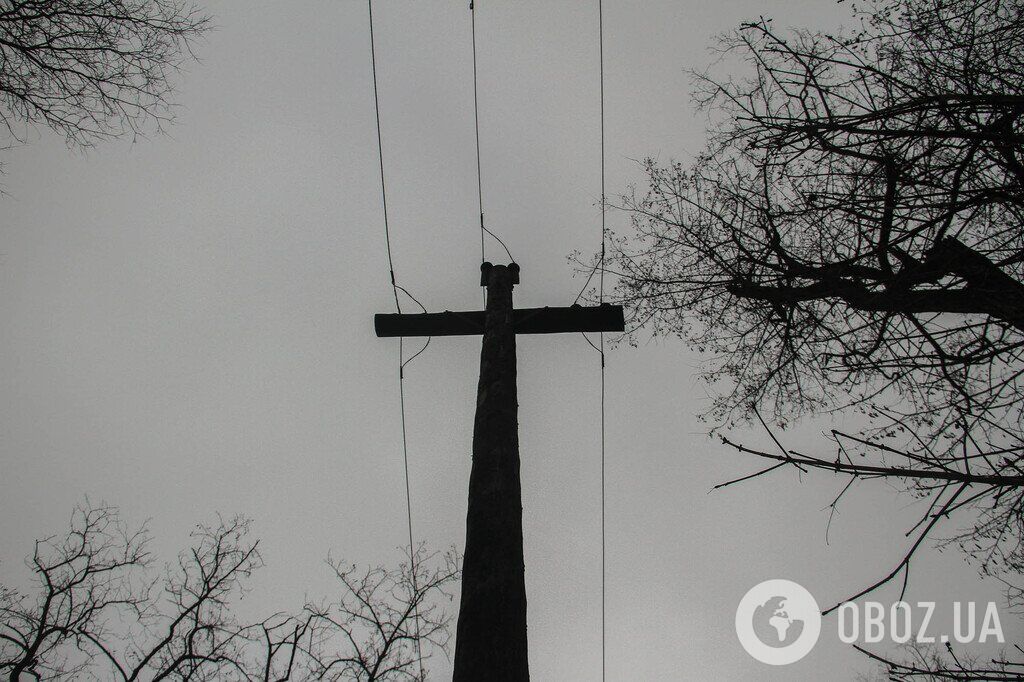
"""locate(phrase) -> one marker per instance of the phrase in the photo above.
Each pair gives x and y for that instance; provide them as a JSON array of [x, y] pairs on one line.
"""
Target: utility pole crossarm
[[490, 643], [575, 318]]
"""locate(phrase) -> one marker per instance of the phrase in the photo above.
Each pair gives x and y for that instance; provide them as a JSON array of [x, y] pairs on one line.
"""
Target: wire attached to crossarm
[[476, 126]]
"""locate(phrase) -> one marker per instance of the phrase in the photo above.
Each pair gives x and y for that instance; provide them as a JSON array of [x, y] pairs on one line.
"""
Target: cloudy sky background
[[188, 329]]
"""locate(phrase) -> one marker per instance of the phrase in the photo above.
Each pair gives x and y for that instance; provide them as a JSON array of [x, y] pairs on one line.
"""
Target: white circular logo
[[778, 622]]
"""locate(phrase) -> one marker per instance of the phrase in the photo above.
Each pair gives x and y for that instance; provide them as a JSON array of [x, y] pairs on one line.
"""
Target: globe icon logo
[[778, 622], [773, 624]]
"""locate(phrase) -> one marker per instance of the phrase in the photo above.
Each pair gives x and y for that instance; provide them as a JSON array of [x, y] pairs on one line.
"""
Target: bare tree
[[95, 612], [98, 613], [81, 579], [923, 663], [852, 238], [855, 224], [384, 620], [92, 69]]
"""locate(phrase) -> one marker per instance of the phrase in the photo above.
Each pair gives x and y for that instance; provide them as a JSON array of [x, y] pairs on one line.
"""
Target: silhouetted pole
[[491, 640], [490, 644]]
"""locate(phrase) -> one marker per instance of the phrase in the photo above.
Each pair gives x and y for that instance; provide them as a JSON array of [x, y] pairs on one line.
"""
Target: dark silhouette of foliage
[[92, 69], [96, 611], [852, 238]]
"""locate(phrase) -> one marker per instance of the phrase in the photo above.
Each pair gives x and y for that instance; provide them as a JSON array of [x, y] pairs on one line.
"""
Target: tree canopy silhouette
[[852, 237], [92, 69], [96, 609]]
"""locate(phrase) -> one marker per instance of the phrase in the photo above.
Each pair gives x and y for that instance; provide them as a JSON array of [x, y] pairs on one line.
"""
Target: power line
[[402, 362], [476, 125], [604, 209], [380, 158], [599, 347]]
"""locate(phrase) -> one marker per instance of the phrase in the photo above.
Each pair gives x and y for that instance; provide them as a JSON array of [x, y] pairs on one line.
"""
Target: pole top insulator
[[485, 272]]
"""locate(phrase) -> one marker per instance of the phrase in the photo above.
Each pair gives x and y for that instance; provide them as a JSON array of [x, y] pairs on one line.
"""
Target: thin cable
[[380, 158], [429, 338], [401, 343], [586, 284], [476, 124], [604, 208], [498, 239], [603, 536], [408, 503], [604, 202]]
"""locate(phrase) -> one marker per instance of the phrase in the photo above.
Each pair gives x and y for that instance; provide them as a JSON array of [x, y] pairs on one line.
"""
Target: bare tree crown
[[852, 237], [97, 611], [92, 69], [854, 226]]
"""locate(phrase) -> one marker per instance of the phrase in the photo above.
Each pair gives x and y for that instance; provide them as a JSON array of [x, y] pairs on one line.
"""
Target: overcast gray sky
[[188, 328]]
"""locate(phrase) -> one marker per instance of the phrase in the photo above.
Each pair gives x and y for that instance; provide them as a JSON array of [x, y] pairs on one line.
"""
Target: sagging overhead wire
[[476, 126], [402, 362], [599, 269], [604, 212]]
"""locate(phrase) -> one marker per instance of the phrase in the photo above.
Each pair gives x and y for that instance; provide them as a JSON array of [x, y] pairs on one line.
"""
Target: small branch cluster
[[927, 664], [986, 480], [382, 627]]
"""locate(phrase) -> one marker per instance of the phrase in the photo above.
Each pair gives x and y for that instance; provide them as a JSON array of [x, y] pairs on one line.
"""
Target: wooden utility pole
[[490, 642], [491, 633]]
